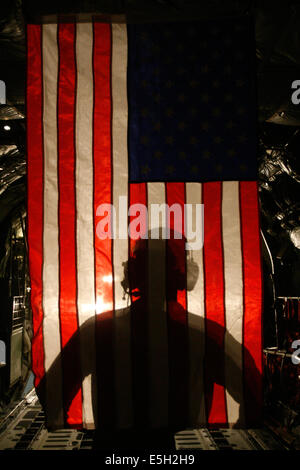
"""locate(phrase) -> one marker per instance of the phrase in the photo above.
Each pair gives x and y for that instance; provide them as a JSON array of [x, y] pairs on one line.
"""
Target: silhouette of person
[[158, 294]]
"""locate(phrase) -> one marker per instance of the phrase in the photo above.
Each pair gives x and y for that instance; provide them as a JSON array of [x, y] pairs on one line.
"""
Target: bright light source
[[7, 128], [295, 237], [100, 307]]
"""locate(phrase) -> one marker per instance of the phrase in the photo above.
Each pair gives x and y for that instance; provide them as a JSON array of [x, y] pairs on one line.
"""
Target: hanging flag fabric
[[144, 330]]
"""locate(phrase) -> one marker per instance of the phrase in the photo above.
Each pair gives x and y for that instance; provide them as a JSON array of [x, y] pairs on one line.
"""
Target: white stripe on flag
[[233, 276], [51, 324], [84, 221], [196, 316], [157, 323], [123, 375]]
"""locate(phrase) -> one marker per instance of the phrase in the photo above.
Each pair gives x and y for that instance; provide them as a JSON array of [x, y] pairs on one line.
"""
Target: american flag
[[154, 113]]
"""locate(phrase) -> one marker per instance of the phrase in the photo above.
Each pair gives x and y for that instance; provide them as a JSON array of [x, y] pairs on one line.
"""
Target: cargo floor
[[23, 428]]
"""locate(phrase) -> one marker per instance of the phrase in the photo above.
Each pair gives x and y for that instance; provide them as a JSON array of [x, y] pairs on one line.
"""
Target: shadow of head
[[163, 255]]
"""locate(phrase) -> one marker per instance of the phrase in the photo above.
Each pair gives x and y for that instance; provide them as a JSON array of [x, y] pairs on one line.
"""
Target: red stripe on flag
[[67, 226], [214, 304], [103, 248], [138, 281], [176, 305], [35, 191], [252, 336]]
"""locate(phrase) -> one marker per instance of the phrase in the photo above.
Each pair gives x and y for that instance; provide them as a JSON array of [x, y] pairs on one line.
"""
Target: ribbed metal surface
[[58, 440], [227, 439], [26, 431], [195, 439]]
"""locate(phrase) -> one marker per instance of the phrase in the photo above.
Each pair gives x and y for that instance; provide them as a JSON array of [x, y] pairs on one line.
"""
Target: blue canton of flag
[[191, 101]]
